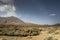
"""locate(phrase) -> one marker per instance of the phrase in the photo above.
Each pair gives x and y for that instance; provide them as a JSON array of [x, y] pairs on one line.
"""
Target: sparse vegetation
[[27, 31], [50, 38], [19, 31]]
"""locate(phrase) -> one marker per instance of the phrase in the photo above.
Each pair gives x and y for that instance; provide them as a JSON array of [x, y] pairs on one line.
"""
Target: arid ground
[[46, 33]]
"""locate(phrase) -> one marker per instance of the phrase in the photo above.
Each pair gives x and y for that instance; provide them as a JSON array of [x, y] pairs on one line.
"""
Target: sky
[[33, 11]]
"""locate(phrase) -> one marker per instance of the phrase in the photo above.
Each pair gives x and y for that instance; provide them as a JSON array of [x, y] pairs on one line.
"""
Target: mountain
[[10, 20], [13, 26]]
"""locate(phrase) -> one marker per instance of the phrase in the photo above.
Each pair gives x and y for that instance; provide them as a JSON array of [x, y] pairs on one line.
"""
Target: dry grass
[[44, 35]]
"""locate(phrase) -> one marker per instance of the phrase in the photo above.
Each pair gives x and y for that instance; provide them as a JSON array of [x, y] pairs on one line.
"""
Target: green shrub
[[20, 31]]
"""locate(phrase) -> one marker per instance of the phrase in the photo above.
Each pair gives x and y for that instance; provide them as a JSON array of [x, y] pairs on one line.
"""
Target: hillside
[[15, 21], [12, 28], [10, 20]]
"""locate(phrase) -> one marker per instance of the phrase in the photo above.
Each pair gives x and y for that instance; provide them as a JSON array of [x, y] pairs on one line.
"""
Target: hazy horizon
[[33, 11]]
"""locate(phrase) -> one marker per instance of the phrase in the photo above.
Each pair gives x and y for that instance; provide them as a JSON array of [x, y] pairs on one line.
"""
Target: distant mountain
[[6, 21], [10, 20]]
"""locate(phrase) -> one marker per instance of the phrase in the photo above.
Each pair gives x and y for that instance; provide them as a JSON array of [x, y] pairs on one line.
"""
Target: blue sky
[[38, 11]]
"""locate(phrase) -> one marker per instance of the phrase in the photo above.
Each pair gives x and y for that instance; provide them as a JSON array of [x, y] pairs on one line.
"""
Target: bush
[[20, 32], [34, 32]]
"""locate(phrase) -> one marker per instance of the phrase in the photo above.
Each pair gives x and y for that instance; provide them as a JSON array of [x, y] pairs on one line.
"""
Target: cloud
[[7, 1], [52, 14], [9, 14], [7, 9]]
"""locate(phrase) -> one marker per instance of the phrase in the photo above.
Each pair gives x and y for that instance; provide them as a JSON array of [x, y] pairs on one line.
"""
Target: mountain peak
[[10, 20]]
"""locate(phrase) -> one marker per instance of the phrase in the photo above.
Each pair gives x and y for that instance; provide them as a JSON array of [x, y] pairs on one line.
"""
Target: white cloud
[[7, 1], [9, 14], [8, 8], [52, 14]]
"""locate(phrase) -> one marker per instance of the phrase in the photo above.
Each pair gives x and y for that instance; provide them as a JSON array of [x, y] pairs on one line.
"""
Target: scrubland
[[45, 32]]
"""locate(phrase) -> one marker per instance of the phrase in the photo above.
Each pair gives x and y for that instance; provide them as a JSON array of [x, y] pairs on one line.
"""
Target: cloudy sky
[[34, 11]]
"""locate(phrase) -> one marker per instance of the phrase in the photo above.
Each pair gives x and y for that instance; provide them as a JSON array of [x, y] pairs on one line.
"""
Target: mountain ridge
[[9, 20]]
